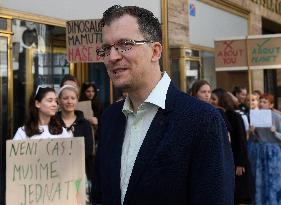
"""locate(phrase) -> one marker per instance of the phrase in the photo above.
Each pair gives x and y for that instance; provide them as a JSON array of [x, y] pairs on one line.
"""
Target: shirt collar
[[158, 94], [156, 97]]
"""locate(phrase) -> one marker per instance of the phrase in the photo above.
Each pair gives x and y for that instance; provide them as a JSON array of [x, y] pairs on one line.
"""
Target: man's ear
[[37, 104], [156, 51]]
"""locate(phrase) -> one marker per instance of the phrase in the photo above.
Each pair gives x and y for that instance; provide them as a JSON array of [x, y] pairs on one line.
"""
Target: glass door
[[192, 72], [39, 58]]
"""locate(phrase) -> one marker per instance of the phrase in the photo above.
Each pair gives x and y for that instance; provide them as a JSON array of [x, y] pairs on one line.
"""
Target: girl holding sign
[[41, 122], [265, 133], [76, 125], [253, 101], [265, 152], [89, 91]]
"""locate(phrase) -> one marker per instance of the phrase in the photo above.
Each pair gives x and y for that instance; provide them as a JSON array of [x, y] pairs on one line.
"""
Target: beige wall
[[73, 9], [179, 31], [178, 17]]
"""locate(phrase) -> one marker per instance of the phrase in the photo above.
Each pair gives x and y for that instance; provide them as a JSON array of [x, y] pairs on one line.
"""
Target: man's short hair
[[149, 25]]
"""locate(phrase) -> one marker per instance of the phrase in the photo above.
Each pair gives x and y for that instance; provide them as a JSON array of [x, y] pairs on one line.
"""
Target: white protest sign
[[49, 172], [261, 118]]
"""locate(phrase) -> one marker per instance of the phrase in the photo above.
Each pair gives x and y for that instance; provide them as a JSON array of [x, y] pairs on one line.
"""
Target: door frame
[[10, 82]]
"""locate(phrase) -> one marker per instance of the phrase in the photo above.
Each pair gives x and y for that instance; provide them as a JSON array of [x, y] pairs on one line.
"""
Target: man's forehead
[[124, 17], [121, 28]]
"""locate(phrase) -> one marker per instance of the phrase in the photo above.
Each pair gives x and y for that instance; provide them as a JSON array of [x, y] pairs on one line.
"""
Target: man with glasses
[[158, 146]]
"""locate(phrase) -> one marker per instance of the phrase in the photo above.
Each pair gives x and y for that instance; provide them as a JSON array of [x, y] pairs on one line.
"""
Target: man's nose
[[114, 54]]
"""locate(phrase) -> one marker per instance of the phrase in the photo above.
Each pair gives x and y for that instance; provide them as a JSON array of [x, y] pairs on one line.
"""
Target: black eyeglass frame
[[121, 45]]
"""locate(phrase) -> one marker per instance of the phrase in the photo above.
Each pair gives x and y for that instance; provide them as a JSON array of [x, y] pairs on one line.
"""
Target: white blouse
[[21, 135]]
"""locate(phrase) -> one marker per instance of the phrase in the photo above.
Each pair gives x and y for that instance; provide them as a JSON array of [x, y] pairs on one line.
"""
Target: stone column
[[255, 28]]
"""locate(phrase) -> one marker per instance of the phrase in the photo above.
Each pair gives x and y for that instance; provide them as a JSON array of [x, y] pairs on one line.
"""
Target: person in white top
[[41, 122]]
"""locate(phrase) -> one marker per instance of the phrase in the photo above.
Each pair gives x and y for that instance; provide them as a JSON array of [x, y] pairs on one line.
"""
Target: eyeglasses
[[121, 46]]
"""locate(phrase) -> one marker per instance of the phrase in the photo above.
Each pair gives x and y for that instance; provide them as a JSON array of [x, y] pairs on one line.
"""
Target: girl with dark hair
[[41, 122], [241, 93], [243, 176], [69, 80], [89, 91], [201, 89]]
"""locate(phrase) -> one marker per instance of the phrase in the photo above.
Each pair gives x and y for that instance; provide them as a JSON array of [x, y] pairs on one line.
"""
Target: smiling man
[[158, 146]]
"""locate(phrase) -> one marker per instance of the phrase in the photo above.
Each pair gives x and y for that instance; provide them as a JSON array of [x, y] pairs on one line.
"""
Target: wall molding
[[32, 17]]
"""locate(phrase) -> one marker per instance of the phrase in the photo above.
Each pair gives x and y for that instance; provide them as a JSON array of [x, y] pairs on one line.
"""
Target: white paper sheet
[[261, 118]]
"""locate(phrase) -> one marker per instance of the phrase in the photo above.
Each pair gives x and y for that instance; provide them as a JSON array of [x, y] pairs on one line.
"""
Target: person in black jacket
[[159, 146], [76, 125], [244, 184], [240, 93]]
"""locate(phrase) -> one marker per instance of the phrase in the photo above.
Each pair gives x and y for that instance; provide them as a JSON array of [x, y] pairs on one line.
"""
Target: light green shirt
[[137, 126]]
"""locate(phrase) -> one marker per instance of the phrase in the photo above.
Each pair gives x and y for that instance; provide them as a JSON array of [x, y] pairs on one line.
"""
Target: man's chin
[[122, 86]]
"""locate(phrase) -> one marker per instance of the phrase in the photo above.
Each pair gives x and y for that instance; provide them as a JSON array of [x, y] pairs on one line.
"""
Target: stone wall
[[178, 18], [178, 27]]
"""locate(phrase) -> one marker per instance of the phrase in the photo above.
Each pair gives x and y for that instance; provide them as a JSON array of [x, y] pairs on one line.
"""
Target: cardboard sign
[[49, 171], [264, 51], [86, 108], [83, 37], [231, 54]]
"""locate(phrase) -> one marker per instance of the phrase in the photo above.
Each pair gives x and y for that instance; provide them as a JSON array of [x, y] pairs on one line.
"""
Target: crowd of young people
[[256, 148], [54, 115]]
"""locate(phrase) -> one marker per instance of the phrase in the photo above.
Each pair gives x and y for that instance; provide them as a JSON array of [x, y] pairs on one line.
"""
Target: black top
[[244, 108], [82, 128], [244, 184], [227, 124], [97, 108], [238, 138]]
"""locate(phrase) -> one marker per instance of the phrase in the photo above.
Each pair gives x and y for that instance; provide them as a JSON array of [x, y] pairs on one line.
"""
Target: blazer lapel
[[114, 155], [160, 128]]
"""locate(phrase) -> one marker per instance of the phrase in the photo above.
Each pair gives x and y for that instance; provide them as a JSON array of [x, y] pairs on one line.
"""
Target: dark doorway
[[272, 78]]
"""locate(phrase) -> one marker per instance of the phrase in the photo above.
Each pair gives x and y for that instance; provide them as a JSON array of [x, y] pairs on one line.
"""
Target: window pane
[[39, 58], [3, 87], [3, 111], [208, 67]]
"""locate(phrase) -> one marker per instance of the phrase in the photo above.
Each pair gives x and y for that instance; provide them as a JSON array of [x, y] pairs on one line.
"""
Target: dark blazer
[[185, 157]]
